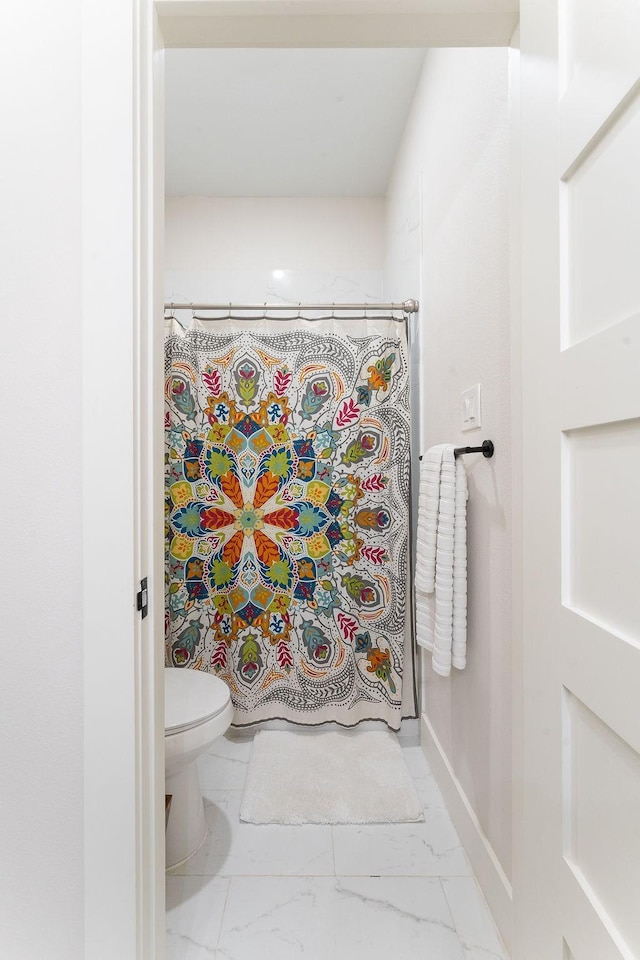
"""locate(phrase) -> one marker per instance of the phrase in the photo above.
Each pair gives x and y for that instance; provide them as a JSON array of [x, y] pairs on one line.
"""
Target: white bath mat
[[335, 777]]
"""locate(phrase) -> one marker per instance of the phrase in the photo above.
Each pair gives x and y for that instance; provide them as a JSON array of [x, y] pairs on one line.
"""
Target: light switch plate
[[470, 411]]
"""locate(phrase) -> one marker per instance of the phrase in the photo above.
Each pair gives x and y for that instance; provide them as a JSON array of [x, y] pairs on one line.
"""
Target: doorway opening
[[305, 176]]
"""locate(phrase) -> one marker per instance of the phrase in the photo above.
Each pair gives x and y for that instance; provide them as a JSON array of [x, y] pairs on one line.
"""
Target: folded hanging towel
[[441, 568], [428, 498]]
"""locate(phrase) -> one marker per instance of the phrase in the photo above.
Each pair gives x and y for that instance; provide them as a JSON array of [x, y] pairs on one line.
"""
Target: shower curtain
[[287, 515]]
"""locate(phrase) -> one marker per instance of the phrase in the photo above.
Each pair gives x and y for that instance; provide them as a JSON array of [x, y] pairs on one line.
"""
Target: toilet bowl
[[197, 710]]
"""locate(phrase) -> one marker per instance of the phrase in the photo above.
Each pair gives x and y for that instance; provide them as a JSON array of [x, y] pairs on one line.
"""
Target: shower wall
[[447, 231], [274, 250]]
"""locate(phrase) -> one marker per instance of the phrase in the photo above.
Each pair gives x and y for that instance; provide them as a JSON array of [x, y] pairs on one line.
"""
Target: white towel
[[441, 559]]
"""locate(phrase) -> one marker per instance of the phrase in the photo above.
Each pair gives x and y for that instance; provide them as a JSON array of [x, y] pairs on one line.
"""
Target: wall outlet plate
[[470, 412]]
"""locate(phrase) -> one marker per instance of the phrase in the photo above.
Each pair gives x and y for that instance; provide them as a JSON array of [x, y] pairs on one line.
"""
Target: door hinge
[[142, 598]]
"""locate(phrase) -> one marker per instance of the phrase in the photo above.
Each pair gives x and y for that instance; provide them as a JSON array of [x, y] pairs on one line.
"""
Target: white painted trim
[[109, 618], [124, 729], [538, 901], [363, 23], [149, 372], [486, 866], [517, 659]]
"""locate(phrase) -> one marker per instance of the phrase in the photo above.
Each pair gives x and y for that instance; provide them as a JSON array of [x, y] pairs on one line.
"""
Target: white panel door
[[578, 848]]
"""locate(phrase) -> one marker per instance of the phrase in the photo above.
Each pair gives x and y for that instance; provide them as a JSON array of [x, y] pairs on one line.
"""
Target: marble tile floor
[[404, 891]]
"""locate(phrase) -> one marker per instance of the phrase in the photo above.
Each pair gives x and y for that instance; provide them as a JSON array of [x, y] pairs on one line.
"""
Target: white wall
[[323, 250], [455, 155], [41, 406]]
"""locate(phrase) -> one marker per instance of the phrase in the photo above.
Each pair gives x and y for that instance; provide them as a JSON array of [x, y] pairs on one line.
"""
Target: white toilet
[[197, 710]]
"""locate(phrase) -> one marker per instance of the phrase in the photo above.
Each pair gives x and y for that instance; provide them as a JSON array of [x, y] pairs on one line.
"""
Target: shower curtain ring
[[264, 311], [193, 312], [333, 310], [299, 310]]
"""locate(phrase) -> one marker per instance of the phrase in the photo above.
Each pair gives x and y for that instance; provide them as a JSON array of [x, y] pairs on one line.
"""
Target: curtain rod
[[409, 306]]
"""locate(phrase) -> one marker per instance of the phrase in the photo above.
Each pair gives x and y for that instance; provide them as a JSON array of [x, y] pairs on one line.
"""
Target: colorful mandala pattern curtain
[[287, 514]]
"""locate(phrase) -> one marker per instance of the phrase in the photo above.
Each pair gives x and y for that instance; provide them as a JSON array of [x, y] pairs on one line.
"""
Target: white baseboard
[[490, 875]]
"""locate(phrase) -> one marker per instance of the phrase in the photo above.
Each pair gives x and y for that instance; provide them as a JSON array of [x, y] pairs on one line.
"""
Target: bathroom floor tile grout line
[[446, 900], [324, 876], [224, 910], [483, 899], [333, 852]]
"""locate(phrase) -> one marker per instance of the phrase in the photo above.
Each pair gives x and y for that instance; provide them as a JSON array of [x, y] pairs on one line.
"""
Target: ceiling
[[286, 123]]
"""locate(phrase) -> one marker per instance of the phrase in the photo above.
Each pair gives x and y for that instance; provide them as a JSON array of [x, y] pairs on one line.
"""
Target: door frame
[[122, 194], [123, 200]]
